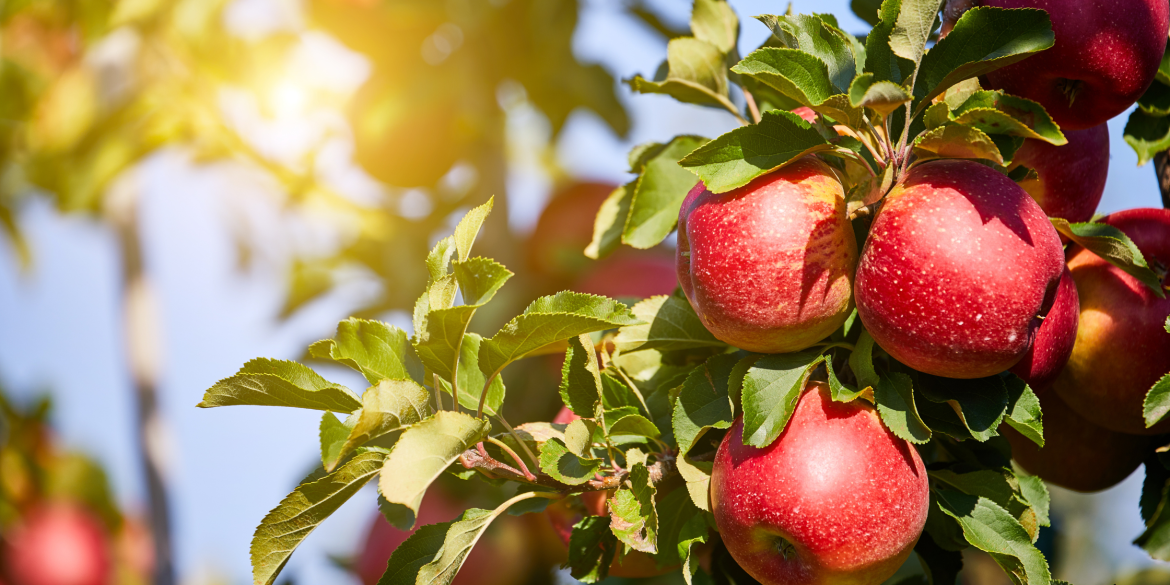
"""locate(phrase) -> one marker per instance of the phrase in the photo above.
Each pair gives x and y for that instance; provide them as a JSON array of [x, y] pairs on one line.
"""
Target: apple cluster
[[960, 275]]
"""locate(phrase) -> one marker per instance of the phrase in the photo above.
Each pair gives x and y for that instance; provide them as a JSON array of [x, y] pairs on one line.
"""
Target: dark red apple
[[1104, 59], [836, 499], [768, 267], [1071, 178], [638, 275], [1054, 339], [959, 268], [1077, 454], [499, 558], [1122, 347], [58, 544]]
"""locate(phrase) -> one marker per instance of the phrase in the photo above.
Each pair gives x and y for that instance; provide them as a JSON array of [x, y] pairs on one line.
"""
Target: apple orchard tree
[[890, 289]]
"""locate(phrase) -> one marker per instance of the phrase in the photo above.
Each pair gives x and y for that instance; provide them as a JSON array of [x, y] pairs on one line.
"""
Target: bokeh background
[[257, 225]]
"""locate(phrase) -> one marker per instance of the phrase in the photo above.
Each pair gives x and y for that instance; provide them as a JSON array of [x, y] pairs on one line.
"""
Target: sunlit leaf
[[388, 406], [1112, 245], [659, 193], [268, 382], [378, 350], [669, 323], [771, 389]]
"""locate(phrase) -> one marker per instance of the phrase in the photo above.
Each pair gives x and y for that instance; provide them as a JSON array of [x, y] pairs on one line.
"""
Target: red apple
[[768, 267], [1054, 339], [499, 558], [1104, 59], [58, 544], [1071, 178], [836, 499], [564, 416], [1077, 454], [959, 268], [1122, 347], [806, 113], [630, 275], [556, 247]]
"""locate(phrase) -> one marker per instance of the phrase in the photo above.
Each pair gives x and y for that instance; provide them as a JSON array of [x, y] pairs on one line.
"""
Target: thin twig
[[751, 104], [523, 445], [660, 471], [514, 456], [438, 397], [483, 395]]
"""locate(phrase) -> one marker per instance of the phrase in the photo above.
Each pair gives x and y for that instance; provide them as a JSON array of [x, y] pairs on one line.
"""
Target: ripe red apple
[[499, 558], [768, 267], [556, 247], [1054, 339], [1077, 454], [836, 499], [806, 113], [1071, 178], [1104, 59], [959, 268], [1122, 347], [58, 544]]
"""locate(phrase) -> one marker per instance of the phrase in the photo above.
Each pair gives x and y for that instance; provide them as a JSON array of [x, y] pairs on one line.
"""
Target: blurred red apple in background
[[1077, 454], [1122, 346], [837, 498], [1104, 59], [630, 275], [556, 247], [768, 267], [1071, 178], [58, 544], [1053, 342], [960, 267]]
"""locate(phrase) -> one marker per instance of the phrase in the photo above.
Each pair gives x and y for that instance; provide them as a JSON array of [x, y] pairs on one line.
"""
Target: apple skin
[[1071, 177], [630, 275], [848, 496], [959, 267], [556, 247], [1112, 47], [1122, 347], [768, 267], [1077, 454], [1054, 339], [59, 544]]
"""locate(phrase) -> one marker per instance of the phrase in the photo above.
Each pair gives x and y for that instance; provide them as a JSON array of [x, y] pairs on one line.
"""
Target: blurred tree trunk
[[1162, 170], [143, 346]]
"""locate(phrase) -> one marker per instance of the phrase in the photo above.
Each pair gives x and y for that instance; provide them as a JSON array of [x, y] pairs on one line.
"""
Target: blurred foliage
[[91, 88]]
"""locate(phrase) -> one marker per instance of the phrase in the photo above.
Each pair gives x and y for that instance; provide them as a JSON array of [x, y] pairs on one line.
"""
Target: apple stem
[[752, 107]]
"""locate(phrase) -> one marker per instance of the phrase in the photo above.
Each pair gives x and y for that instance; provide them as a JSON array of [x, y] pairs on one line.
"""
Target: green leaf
[[737, 157], [674, 511], [632, 516], [714, 21], [564, 466], [1023, 412], [1156, 101], [268, 382], [792, 72], [579, 437], [668, 323], [1155, 540], [837, 391], [472, 379], [479, 279], [439, 259], [881, 96], [821, 39], [984, 39], [388, 406], [995, 112], [333, 434], [548, 320], [997, 485], [1113, 246], [1147, 135], [880, 57], [611, 222], [941, 566], [867, 10], [963, 408], [378, 350], [1157, 402], [916, 19], [771, 389], [468, 228], [460, 538], [703, 404], [420, 455], [416, 551], [861, 361], [956, 141], [581, 377], [992, 529], [894, 395], [696, 74], [659, 193], [936, 115], [634, 424], [290, 522], [591, 549], [693, 533], [1034, 490]]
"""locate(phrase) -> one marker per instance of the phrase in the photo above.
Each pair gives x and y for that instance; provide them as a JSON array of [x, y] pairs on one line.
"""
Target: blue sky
[[60, 329]]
